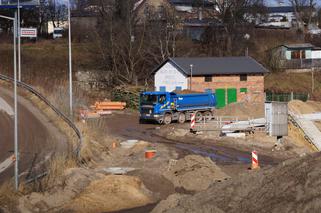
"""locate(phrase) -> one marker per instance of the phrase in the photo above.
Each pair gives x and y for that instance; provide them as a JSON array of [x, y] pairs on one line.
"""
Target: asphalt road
[[38, 138]]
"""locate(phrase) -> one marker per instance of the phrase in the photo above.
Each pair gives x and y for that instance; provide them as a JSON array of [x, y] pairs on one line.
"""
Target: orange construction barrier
[[255, 160]]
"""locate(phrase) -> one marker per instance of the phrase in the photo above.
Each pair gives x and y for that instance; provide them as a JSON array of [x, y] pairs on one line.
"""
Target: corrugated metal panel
[[276, 114]]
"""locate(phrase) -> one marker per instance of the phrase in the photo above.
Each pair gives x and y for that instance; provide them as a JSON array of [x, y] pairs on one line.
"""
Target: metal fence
[[215, 123], [300, 63], [286, 97]]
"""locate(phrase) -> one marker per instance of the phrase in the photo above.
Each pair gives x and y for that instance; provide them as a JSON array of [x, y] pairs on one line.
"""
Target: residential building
[[296, 57], [232, 78]]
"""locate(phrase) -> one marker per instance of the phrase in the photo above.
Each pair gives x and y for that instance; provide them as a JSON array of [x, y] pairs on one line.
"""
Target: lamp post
[[19, 42], [16, 149], [70, 62], [247, 38], [190, 84]]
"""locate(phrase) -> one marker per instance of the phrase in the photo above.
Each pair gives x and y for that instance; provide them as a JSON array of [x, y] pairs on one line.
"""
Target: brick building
[[233, 79]]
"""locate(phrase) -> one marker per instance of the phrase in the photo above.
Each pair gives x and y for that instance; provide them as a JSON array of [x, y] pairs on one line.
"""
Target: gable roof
[[299, 46], [206, 3], [216, 65], [284, 9]]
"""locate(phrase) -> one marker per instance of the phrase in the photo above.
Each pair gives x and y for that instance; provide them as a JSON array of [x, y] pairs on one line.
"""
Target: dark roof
[[299, 46], [206, 3], [217, 65], [202, 22], [285, 9]]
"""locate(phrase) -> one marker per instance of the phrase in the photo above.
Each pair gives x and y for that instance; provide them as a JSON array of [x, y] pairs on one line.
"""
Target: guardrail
[[47, 102]]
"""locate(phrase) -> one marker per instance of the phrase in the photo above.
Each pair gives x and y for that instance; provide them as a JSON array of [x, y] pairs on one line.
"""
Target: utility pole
[[70, 63], [190, 83], [19, 43], [312, 75], [16, 148]]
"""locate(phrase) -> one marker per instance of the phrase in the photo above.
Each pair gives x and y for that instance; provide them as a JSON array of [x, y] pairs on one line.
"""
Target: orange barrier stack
[[109, 105]]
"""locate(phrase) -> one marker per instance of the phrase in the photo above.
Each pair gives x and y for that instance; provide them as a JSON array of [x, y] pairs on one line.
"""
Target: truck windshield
[[148, 99]]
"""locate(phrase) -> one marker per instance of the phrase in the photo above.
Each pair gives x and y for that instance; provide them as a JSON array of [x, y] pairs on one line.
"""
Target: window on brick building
[[208, 78], [243, 77], [243, 90]]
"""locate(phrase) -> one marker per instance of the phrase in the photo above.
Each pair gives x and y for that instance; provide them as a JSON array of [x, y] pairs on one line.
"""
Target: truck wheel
[[208, 115], [198, 117], [167, 119], [181, 118]]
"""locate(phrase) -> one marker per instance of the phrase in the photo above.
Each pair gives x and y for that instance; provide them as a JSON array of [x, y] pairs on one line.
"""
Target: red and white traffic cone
[[193, 121], [255, 160]]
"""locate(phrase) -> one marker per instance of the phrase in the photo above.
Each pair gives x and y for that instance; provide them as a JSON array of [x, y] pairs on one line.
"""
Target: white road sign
[[29, 32]]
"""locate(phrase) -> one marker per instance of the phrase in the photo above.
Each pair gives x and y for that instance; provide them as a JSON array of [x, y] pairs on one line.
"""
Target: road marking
[[7, 163], [4, 106]]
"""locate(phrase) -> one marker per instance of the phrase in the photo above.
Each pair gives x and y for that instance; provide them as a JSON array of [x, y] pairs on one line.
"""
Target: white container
[[128, 144]]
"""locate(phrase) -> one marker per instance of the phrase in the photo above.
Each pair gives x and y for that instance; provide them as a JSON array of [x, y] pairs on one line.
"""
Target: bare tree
[[304, 11], [231, 15]]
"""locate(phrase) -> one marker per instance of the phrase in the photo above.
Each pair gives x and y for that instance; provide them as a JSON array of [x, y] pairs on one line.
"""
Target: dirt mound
[[82, 190], [194, 173], [293, 186], [66, 188], [242, 110], [300, 107], [111, 193]]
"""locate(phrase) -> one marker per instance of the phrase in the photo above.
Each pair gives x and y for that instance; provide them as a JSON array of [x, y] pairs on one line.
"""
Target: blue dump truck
[[165, 107]]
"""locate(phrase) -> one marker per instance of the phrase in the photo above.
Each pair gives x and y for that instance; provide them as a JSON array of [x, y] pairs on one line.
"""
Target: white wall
[[316, 54], [62, 24], [170, 77]]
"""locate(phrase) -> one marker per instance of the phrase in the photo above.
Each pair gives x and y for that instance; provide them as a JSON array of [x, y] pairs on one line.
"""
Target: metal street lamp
[[70, 62], [16, 148], [190, 84], [19, 42]]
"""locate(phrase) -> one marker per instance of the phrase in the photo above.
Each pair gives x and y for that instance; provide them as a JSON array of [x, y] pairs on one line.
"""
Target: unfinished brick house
[[233, 79]]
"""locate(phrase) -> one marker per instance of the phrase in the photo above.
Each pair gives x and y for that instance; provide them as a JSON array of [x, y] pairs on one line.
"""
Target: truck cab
[[153, 105]]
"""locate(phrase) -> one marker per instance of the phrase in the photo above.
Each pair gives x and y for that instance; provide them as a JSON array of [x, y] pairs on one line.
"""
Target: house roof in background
[[299, 46], [284, 9], [217, 65], [190, 2]]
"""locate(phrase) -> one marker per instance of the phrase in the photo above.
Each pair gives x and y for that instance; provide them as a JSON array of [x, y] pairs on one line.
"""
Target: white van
[[57, 32]]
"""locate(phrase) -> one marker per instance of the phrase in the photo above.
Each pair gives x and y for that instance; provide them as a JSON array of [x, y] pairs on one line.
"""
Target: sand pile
[[66, 188], [242, 110], [111, 193], [300, 107], [82, 190], [293, 186], [194, 173]]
